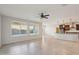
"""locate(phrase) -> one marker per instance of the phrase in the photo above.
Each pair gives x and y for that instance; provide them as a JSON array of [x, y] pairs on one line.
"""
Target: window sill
[[25, 35], [19, 35], [33, 34]]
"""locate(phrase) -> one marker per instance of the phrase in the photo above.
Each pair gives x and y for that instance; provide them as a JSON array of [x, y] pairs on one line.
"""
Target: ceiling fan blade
[[47, 15], [42, 15]]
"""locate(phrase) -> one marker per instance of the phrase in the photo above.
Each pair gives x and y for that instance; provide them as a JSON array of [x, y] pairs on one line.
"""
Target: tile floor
[[46, 46]]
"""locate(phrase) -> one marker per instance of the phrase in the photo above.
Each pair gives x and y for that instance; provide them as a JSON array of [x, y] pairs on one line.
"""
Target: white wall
[[50, 27], [6, 31], [0, 31]]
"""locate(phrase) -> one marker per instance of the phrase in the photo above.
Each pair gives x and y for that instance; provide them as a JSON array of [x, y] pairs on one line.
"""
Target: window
[[18, 28], [24, 29], [32, 29]]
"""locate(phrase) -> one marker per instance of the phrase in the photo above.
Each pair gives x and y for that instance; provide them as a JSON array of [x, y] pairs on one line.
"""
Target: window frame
[[27, 31], [20, 34]]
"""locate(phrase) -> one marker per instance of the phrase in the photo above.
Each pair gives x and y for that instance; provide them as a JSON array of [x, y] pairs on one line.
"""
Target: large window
[[18, 28]]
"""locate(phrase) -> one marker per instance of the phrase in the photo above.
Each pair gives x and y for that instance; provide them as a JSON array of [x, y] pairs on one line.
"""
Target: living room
[[30, 29]]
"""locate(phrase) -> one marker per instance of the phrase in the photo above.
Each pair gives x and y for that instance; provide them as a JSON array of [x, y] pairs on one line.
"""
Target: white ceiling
[[31, 11]]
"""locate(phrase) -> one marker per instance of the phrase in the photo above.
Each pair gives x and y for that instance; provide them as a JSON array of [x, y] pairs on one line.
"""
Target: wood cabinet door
[[67, 27], [77, 26]]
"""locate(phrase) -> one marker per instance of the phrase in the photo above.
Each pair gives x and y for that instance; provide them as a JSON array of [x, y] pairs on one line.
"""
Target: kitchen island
[[72, 35]]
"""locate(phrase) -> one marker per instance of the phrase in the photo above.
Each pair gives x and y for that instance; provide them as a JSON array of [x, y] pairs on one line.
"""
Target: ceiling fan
[[44, 15]]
